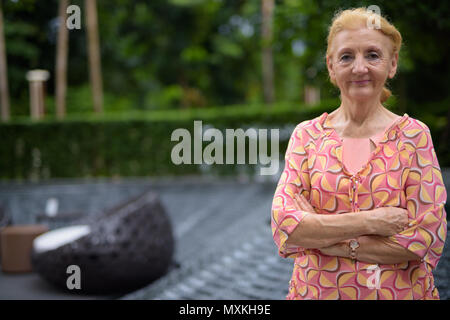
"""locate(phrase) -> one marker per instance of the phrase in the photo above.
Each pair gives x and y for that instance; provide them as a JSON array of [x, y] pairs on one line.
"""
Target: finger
[[296, 203], [305, 201], [310, 207], [307, 205], [302, 202]]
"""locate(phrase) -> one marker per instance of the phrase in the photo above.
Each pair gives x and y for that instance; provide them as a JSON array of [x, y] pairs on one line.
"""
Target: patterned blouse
[[402, 171]]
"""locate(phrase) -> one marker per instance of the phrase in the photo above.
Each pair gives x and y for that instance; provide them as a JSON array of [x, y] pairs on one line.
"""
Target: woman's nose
[[359, 65]]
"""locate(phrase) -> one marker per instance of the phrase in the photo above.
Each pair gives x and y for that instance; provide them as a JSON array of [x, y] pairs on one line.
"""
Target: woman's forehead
[[360, 38]]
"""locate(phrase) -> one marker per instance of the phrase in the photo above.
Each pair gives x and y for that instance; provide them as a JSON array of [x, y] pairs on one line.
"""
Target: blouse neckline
[[325, 123], [389, 134]]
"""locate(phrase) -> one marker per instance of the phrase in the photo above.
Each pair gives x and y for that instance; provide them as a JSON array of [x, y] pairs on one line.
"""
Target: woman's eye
[[345, 58], [372, 55]]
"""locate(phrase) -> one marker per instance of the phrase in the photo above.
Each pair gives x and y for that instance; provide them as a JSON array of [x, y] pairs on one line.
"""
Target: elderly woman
[[360, 203]]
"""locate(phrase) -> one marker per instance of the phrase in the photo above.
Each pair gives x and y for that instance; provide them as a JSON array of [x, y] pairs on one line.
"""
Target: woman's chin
[[362, 95]]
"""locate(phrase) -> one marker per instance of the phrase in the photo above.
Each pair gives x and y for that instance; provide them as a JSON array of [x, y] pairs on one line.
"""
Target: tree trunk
[[94, 54], [4, 91], [267, 59], [61, 61]]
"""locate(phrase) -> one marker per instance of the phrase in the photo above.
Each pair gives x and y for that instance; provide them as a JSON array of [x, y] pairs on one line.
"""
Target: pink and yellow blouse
[[402, 171]]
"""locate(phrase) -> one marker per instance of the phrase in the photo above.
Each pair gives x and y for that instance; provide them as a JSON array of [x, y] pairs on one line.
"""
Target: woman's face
[[360, 62]]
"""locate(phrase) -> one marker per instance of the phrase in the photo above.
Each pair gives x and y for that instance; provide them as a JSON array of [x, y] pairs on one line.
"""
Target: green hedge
[[134, 144]]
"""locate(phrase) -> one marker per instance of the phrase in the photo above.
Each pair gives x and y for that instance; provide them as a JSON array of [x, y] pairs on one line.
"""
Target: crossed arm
[[373, 248]]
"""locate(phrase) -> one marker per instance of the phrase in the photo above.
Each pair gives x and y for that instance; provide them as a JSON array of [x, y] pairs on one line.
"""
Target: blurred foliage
[[189, 59], [195, 53]]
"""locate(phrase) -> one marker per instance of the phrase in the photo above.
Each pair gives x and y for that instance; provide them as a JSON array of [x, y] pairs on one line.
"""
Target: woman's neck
[[360, 119], [359, 113]]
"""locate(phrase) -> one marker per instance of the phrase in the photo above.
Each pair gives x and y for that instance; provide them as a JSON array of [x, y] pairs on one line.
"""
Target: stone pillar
[[37, 80]]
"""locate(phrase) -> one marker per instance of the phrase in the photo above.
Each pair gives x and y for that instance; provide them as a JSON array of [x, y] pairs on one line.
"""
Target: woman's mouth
[[361, 82]]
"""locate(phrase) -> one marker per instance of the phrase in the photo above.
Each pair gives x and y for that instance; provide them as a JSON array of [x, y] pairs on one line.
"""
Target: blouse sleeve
[[294, 180], [425, 199]]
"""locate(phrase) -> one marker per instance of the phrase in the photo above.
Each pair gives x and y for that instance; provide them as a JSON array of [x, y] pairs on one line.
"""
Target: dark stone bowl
[[127, 248]]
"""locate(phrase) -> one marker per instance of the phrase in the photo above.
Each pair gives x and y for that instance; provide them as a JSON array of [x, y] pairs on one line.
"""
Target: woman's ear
[[393, 65], [330, 68]]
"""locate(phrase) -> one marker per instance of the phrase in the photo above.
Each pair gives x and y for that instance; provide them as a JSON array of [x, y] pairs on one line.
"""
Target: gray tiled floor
[[224, 246]]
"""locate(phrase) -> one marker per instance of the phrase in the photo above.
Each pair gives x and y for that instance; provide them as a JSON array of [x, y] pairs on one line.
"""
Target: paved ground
[[224, 245]]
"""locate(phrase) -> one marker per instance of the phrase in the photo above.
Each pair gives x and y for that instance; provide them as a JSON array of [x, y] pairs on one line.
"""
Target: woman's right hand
[[388, 221]]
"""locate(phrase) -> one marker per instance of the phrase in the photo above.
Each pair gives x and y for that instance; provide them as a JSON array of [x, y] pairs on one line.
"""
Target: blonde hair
[[353, 18]]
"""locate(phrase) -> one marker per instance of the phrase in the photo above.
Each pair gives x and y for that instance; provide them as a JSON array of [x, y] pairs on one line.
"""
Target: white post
[[37, 79]]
